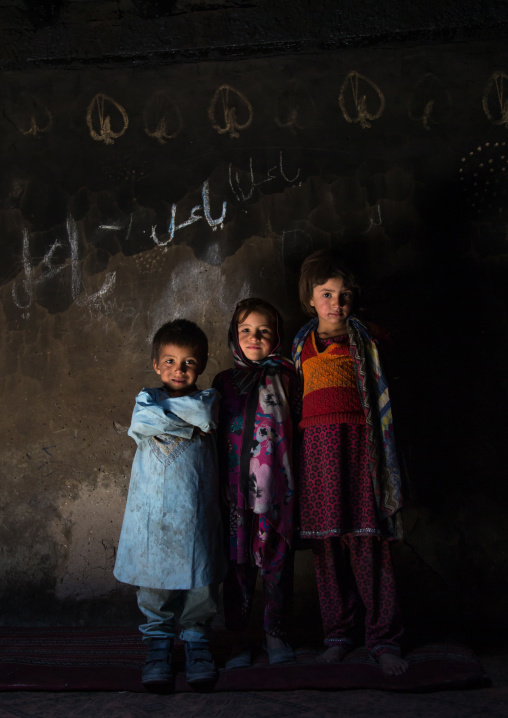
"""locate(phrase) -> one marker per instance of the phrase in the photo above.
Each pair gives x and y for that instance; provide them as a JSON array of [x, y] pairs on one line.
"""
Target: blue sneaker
[[199, 663], [157, 676]]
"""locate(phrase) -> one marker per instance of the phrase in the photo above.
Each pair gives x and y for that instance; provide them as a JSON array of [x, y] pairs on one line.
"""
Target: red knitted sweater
[[330, 393]]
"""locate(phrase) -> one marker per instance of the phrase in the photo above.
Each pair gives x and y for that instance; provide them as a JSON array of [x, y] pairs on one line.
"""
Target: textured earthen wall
[[132, 194]]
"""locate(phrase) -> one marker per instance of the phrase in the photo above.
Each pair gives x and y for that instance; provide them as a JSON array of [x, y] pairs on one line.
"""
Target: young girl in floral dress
[[349, 486], [255, 433]]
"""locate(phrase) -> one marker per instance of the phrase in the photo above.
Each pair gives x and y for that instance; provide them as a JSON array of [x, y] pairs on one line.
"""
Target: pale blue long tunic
[[171, 535]]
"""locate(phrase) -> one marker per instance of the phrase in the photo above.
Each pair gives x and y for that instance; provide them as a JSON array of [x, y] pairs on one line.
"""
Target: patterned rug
[[82, 659]]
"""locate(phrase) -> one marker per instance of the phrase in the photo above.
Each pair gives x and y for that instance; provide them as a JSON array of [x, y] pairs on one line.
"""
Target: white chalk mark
[[376, 222], [97, 300], [231, 181], [290, 181], [128, 235], [77, 293], [52, 271], [193, 217], [271, 175], [153, 235], [244, 197], [30, 281], [213, 223], [28, 271], [173, 227], [72, 231]]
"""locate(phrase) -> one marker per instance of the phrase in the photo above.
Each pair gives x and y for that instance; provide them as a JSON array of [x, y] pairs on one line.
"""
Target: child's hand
[[204, 433]]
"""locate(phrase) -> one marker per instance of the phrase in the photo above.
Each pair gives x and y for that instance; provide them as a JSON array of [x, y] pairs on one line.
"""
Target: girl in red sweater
[[349, 476]]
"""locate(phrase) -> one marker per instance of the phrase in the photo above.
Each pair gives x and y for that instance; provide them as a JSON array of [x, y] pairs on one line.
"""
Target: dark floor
[[475, 703]]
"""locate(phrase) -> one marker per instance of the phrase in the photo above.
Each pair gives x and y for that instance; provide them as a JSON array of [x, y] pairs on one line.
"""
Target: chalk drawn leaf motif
[[495, 89], [360, 97], [30, 116], [35, 129], [98, 107], [162, 118], [231, 104], [429, 102], [295, 108]]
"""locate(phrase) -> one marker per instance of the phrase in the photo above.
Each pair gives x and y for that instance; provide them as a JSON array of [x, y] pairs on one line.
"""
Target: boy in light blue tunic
[[171, 540]]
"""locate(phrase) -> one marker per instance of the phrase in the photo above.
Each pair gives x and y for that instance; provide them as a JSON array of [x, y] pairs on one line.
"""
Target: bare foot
[[334, 654], [392, 665]]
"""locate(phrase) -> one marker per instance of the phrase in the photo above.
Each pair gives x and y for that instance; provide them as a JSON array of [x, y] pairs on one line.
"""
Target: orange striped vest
[[330, 393]]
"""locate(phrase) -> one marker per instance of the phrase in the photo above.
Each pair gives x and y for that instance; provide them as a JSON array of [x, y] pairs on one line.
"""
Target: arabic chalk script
[[243, 196], [24, 296]]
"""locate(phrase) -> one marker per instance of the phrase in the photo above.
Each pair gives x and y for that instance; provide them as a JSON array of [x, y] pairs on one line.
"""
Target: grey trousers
[[196, 608]]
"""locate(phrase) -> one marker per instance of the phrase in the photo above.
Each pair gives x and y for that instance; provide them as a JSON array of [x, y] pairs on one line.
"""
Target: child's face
[[256, 336], [179, 368], [333, 303]]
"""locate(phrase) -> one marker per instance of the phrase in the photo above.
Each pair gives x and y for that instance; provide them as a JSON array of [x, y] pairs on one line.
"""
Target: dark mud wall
[[136, 191]]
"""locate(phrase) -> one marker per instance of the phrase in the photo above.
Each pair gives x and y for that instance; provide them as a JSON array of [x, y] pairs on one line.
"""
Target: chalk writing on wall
[[161, 118], [23, 296], [226, 110], [358, 94], [203, 211], [34, 274], [194, 216], [495, 104], [97, 117], [242, 194]]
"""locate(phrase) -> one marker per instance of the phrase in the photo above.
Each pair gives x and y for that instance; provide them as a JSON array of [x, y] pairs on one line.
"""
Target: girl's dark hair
[[181, 333], [317, 268], [254, 304]]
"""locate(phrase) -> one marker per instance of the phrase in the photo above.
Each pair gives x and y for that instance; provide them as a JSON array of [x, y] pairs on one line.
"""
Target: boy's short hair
[[181, 333], [317, 268]]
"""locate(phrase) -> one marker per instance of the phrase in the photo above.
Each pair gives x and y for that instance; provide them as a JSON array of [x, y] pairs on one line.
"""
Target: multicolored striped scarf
[[373, 389]]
